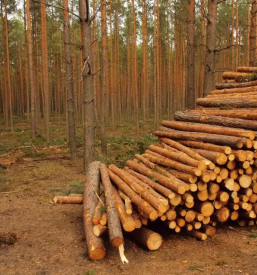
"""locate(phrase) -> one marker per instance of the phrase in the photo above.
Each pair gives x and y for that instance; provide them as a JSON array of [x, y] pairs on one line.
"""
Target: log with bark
[[95, 247], [216, 120], [235, 85], [212, 129], [69, 199]]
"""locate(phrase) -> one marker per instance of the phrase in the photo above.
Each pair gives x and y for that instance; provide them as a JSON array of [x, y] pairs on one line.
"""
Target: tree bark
[[216, 117], [88, 85], [253, 33], [69, 84], [114, 227], [210, 46], [95, 245], [190, 93]]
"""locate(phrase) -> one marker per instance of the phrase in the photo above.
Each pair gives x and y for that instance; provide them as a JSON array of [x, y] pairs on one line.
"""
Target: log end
[[97, 254], [154, 242]]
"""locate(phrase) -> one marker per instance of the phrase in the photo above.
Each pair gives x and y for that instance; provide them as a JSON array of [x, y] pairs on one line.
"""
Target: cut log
[[174, 164], [234, 75], [209, 230], [143, 192], [183, 149], [245, 90], [198, 235], [146, 238], [196, 224], [245, 102], [235, 85], [179, 157], [156, 186], [189, 227], [206, 220], [174, 184], [245, 181], [221, 215], [183, 176], [215, 157], [202, 195], [233, 95], [127, 221], [202, 185], [213, 187], [68, 199], [205, 208], [171, 214], [247, 114], [224, 173], [206, 146], [138, 223], [233, 142], [203, 116], [222, 196], [246, 69], [99, 229], [190, 216], [135, 198], [233, 206], [127, 201], [212, 129], [180, 222], [103, 220], [99, 207], [234, 215], [95, 245]]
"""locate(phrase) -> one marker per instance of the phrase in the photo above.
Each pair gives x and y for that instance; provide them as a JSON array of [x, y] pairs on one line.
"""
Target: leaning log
[[246, 69], [235, 85], [95, 245], [115, 231], [234, 75]]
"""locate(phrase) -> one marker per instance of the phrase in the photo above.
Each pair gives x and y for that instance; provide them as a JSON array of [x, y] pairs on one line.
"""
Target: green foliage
[[103, 209], [195, 267], [89, 272], [252, 235]]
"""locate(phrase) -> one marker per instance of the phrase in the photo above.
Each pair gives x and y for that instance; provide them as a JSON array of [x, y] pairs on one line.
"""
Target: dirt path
[[51, 238]]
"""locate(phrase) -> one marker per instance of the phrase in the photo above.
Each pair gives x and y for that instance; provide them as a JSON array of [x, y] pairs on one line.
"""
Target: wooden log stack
[[202, 172]]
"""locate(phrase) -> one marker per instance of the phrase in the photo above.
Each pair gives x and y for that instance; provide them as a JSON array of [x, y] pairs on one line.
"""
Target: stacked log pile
[[202, 172]]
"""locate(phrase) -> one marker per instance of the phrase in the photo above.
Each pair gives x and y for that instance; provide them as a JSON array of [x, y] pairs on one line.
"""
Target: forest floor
[[39, 237]]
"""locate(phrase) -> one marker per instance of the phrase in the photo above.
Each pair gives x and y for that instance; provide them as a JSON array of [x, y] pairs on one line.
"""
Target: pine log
[[202, 185], [196, 224], [206, 220], [222, 196], [246, 69], [183, 176], [171, 214], [174, 164], [181, 212], [216, 120], [98, 210], [206, 146], [145, 161], [95, 245], [198, 235], [68, 199], [209, 230], [199, 216], [179, 157], [234, 215], [174, 184], [235, 85], [212, 129], [182, 148], [233, 206], [202, 195], [232, 95], [248, 102], [143, 192], [99, 229], [138, 223], [245, 181], [135, 198], [213, 187], [233, 142], [253, 198], [156, 186], [147, 238], [172, 224], [234, 75], [215, 157], [231, 165], [205, 208], [127, 201], [103, 220], [221, 215], [189, 227], [235, 91], [190, 216]]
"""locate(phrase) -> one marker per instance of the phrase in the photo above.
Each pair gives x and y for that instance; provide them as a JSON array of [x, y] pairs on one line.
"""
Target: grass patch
[[252, 235], [8, 238], [75, 187]]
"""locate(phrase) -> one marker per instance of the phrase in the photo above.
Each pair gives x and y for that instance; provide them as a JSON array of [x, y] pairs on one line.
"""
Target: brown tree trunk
[[210, 46], [253, 33], [190, 93], [69, 84], [104, 78], [88, 85]]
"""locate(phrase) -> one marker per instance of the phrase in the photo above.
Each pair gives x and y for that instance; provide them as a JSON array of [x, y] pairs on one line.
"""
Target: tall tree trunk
[[88, 85], [135, 68], [69, 86], [210, 46], [248, 33], [104, 78], [252, 33], [203, 49], [8, 65], [31, 75], [190, 94], [45, 69]]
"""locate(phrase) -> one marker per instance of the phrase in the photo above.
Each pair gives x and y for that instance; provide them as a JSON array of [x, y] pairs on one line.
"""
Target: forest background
[[150, 58]]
